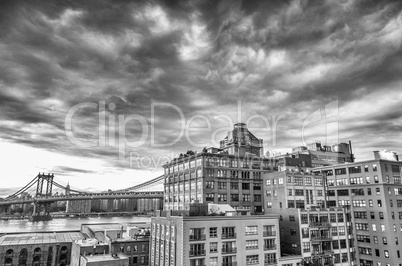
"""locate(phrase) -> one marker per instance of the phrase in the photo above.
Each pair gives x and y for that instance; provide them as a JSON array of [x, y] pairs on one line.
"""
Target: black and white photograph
[[200, 132]]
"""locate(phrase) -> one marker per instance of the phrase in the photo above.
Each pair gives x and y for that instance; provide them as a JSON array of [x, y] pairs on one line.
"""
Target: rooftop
[[103, 227], [40, 238], [106, 257], [89, 242]]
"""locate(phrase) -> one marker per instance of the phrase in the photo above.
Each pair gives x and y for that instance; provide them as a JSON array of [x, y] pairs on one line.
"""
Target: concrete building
[[214, 240], [323, 155], [230, 175], [317, 234], [372, 191], [132, 240], [36, 249]]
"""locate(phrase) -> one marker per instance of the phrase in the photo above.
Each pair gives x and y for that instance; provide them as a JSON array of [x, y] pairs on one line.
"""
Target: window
[[245, 186], [290, 192], [381, 215], [377, 191], [395, 168], [386, 253], [268, 182], [213, 232], [341, 230], [319, 193], [292, 232], [221, 185], [375, 240], [374, 167], [270, 258], [360, 215], [269, 192], [292, 218], [397, 179], [366, 168], [234, 185], [383, 227], [257, 198], [334, 231], [356, 180], [368, 180], [359, 203], [374, 227], [222, 197], [269, 204], [251, 230], [355, 170], [362, 226], [376, 179], [371, 203], [234, 197], [384, 241], [298, 181], [299, 192], [306, 246], [340, 171], [252, 259], [379, 203], [209, 184], [363, 238], [213, 247], [246, 197], [308, 181], [209, 196], [251, 244], [213, 261], [335, 244]]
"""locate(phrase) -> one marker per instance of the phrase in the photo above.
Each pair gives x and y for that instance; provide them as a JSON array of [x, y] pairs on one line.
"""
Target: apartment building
[[372, 191], [231, 174], [321, 236], [214, 240]]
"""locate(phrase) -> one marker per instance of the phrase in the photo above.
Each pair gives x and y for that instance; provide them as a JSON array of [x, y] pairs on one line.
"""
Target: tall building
[[320, 235], [230, 175], [214, 240], [372, 191], [241, 142]]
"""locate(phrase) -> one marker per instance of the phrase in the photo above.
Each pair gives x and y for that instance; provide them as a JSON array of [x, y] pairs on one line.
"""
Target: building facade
[[220, 176], [372, 191], [214, 240], [37, 249], [320, 235]]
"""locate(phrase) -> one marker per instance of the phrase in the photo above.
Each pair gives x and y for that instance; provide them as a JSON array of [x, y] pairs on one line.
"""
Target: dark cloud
[[276, 57]]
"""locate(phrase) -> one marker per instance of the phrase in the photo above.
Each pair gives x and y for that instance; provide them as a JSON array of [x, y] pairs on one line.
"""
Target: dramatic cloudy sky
[[84, 83]]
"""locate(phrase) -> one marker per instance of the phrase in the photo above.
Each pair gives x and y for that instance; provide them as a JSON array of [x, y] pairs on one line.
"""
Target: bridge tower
[[44, 186]]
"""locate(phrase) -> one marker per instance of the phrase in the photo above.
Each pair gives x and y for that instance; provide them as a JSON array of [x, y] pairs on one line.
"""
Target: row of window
[[297, 180], [363, 215], [366, 227], [233, 185], [199, 233], [367, 239], [233, 197]]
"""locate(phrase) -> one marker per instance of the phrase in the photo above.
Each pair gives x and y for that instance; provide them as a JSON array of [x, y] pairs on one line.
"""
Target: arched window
[[8, 261], [37, 250], [10, 253]]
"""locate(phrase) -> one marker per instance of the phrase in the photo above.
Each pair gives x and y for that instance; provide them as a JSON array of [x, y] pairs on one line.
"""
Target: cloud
[[277, 58]]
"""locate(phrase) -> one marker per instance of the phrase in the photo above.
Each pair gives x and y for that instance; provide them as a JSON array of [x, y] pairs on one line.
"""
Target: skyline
[[281, 59]]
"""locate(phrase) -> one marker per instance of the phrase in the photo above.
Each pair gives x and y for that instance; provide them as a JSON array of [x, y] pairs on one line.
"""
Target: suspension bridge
[[40, 193]]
